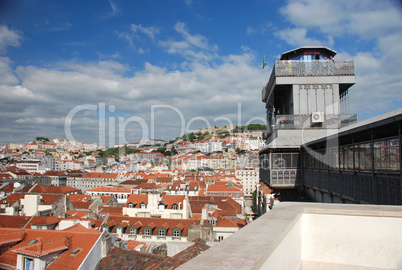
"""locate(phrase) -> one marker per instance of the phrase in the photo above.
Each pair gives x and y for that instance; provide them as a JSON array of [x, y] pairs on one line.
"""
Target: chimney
[[106, 244]]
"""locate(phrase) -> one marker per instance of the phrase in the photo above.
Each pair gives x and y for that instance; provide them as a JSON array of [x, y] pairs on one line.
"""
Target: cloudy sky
[[109, 72]]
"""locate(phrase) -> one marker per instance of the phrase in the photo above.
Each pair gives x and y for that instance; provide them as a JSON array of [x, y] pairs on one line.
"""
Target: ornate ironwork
[[295, 68], [302, 121]]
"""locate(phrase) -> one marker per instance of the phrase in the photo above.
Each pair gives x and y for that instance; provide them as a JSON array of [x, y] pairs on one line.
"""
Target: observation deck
[[285, 69]]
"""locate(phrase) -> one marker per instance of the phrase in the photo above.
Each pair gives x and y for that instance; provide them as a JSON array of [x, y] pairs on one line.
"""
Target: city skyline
[[176, 66]]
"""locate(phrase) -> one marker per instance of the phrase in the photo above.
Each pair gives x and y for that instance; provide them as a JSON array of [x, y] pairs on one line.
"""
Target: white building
[[249, 178], [155, 205]]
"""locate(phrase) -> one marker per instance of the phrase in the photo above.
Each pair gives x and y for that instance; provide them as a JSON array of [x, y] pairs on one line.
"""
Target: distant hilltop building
[[152, 142], [216, 130]]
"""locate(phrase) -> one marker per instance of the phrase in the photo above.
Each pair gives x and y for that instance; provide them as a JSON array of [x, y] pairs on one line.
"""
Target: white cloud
[[261, 29], [298, 37], [192, 47], [365, 18], [45, 97], [9, 38], [150, 31], [7, 74]]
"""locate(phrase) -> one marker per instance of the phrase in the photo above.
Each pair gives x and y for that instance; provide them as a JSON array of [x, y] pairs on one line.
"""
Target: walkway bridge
[[359, 164]]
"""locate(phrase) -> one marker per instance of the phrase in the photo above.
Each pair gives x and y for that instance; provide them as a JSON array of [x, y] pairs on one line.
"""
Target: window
[[130, 205], [220, 238], [143, 206], [28, 264], [133, 230], [212, 221], [175, 207], [147, 231], [161, 232], [176, 233]]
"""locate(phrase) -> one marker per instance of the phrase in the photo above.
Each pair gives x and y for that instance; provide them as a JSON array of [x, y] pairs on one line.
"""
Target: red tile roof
[[7, 221], [118, 258], [111, 189], [169, 200], [79, 198], [11, 237], [100, 175], [137, 199], [132, 244], [142, 222], [55, 173], [48, 242], [110, 209], [43, 248], [54, 189], [226, 205]]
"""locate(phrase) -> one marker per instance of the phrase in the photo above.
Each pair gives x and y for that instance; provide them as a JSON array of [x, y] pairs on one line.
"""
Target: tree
[[256, 127], [161, 150], [43, 139]]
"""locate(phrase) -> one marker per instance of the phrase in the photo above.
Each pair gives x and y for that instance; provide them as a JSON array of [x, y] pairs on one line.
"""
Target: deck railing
[[302, 68], [302, 121], [286, 68]]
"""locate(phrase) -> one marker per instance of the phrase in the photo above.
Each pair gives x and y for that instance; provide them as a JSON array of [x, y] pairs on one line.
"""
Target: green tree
[[43, 139]]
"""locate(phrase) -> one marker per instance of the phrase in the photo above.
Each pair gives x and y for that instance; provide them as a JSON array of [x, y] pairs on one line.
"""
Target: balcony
[[303, 121], [314, 68], [299, 68], [312, 236]]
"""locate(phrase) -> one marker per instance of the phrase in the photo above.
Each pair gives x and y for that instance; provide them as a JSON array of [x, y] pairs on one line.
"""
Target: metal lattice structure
[[330, 121], [294, 68]]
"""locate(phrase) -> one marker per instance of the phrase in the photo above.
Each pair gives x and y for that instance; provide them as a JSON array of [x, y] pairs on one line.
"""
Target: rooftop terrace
[[312, 236]]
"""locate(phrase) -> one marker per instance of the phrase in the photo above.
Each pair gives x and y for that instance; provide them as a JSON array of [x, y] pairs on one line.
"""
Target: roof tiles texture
[[118, 258], [50, 242]]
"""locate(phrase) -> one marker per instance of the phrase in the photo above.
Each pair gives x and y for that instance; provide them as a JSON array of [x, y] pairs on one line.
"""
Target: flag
[[264, 63]]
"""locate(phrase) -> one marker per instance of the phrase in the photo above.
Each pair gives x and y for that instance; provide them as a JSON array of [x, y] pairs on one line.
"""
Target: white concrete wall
[[288, 252], [94, 255], [353, 240], [31, 204]]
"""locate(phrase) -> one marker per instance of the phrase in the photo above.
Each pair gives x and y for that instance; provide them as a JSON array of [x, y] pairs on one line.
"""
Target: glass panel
[[357, 157], [394, 155], [342, 158], [28, 264], [377, 156], [365, 156], [350, 157], [287, 160], [295, 160]]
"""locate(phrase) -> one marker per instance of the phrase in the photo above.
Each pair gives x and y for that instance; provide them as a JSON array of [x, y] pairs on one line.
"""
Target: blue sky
[[158, 68]]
